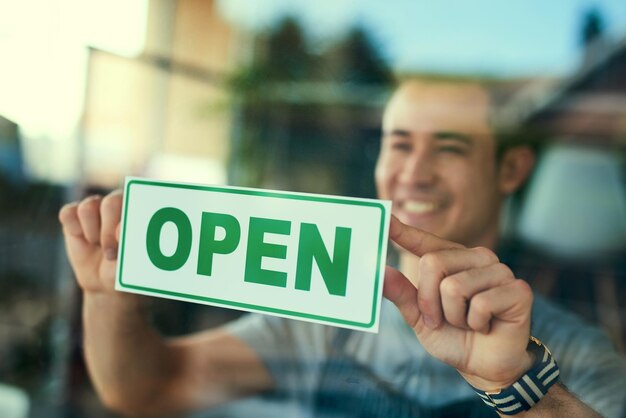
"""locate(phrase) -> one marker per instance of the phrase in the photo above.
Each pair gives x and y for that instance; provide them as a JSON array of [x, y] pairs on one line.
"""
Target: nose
[[419, 167]]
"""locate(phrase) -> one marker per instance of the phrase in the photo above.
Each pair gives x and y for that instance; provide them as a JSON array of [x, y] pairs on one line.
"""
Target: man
[[461, 317]]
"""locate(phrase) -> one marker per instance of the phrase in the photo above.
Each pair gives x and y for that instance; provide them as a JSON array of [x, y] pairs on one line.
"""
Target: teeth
[[418, 207]]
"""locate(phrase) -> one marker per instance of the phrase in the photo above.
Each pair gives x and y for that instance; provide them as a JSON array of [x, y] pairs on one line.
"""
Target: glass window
[[491, 124]]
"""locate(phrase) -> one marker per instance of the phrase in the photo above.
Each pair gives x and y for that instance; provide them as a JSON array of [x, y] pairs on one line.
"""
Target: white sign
[[303, 256]]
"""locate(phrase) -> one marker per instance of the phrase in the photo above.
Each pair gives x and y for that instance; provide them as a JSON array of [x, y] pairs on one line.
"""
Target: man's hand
[[466, 308], [134, 369], [91, 230]]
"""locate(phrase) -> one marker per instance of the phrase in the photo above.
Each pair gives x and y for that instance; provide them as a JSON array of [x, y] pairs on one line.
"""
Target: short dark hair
[[508, 132], [513, 133]]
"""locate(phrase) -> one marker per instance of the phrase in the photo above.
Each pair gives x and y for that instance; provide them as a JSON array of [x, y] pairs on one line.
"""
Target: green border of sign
[[273, 194]]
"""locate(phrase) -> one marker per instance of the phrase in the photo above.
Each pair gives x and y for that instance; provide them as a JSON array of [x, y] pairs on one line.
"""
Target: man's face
[[437, 162]]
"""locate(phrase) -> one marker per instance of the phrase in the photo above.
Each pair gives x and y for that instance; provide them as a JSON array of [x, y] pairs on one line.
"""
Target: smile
[[418, 207]]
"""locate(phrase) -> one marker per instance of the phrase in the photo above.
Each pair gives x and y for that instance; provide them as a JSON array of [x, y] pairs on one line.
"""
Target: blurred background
[[287, 95]]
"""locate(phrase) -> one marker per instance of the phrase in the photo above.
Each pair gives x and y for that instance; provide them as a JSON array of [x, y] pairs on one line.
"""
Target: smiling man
[[456, 341], [438, 162]]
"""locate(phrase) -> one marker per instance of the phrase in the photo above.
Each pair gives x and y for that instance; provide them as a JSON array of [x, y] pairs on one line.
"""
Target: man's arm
[[134, 369], [559, 402], [469, 311]]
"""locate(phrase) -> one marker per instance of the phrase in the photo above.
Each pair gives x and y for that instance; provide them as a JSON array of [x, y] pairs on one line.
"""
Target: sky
[[506, 38], [44, 56], [43, 69]]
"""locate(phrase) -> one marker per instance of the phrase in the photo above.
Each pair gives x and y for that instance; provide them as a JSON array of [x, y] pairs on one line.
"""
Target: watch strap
[[528, 389]]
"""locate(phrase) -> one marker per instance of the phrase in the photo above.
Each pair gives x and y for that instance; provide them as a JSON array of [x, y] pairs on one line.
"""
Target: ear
[[515, 167]]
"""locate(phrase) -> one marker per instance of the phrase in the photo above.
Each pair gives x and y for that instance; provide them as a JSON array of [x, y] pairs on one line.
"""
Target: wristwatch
[[528, 389]]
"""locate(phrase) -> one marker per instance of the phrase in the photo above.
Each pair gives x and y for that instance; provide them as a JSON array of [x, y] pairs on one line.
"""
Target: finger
[[457, 290], [110, 213], [415, 240], [399, 290], [510, 304], [434, 267], [89, 218], [68, 217]]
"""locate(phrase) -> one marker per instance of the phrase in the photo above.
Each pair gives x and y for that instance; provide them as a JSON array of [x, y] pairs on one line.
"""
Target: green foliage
[[286, 84], [592, 27], [288, 57], [284, 56], [355, 60]]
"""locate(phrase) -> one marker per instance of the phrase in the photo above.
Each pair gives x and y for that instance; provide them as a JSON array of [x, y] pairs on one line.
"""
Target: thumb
[[399, 290]]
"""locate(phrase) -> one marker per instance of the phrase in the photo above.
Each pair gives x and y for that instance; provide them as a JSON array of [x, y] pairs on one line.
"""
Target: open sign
[[303, 256]]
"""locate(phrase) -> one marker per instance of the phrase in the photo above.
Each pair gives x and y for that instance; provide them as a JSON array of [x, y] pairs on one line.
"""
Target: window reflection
[[291, 97]]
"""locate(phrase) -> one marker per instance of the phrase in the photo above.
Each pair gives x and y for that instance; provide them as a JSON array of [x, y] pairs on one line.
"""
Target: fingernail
[[430, 322], [110, 254]]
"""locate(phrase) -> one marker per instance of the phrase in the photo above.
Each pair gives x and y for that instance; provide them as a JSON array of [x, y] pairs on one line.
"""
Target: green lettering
[[257, 249], [209, 245], [335, 271], [153, 239]]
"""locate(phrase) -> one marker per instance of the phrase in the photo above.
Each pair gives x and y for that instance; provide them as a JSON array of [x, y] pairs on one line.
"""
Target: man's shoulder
[[548, 317], [575, 343]]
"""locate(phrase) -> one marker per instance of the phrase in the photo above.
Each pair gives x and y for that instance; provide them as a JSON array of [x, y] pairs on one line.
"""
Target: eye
[[401, 146], [453, 143], [452, 149], [398, 140]]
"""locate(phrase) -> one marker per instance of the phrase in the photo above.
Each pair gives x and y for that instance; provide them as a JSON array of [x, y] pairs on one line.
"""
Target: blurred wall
[[166, 112]]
